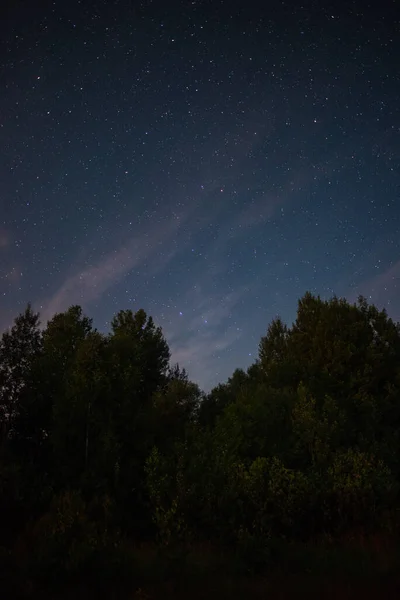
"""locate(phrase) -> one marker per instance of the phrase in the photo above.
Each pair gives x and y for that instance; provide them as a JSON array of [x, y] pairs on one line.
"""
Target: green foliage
[[64, 538], [273, 353], [362, 486], [18, 348], [166, 514], [102, 439], [221, 396], [175, 407], [68, 543]]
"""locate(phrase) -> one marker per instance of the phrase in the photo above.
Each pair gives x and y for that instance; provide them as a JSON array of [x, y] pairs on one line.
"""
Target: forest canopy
[[103, 440]]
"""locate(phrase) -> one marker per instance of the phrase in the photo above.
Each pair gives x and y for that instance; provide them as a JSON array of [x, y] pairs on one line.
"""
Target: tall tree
[[176, 406], [224, 394], [138, 357], [43, 406], [273, 346], [18, 348]]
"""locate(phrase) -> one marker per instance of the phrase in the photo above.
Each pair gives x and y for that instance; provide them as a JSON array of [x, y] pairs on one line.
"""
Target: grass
[[355, 567]]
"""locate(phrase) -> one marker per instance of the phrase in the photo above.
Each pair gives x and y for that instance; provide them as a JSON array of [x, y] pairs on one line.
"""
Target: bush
[[66, 544], [361, 489]]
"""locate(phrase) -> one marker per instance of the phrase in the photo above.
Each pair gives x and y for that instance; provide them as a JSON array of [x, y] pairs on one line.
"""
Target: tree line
[[104, 442]]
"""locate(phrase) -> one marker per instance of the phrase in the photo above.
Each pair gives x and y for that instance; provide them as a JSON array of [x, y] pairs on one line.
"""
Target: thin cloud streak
[[204, 331], [197, 355], [378, 288], [266, 207], [88, 284], [4, 238]]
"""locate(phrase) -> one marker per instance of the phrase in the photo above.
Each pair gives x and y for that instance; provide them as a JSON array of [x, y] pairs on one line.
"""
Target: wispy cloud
[[3, 239], [383, 290], [13, 275], [85, 284], [199, 355], [204, 337], [261, 208], [202, 334], [206, 326]]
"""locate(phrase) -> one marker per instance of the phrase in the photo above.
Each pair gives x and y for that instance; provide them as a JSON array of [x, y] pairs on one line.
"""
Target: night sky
[[208, 161]]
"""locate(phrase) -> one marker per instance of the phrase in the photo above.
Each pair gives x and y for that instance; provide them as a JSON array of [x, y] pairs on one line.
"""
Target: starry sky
[[207, 160]]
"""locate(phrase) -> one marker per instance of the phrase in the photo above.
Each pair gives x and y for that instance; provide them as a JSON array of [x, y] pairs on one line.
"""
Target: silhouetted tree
[[100, 436], [18, 348]]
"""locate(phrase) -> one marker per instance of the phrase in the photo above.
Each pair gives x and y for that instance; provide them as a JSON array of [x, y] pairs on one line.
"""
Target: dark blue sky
[[208, 161]]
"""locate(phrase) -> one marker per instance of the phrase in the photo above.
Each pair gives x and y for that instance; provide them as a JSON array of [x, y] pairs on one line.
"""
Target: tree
[[273, 346], [213, 405], [37, 429], [18, 348], [101, 434], [141, 350], [137, 363], [175, 408], [82, 419]]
